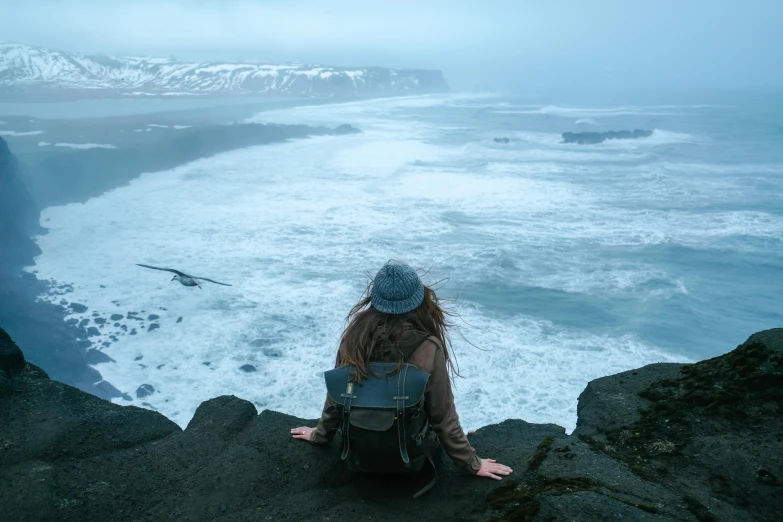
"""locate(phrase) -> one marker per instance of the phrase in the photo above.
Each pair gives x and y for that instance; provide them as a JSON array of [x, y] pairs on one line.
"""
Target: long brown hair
[[371, 335]]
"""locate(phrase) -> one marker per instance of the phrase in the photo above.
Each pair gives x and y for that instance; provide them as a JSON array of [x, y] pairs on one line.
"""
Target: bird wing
[[165, 269], [211, 281]]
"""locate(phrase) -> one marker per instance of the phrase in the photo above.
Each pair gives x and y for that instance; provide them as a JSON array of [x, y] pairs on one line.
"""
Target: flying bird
[[183, 278]]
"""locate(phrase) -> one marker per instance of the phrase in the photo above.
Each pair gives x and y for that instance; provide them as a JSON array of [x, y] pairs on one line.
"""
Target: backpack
[[384, 424]]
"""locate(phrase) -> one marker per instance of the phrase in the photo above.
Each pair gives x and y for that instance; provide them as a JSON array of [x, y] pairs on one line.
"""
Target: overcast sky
[[506, 44]]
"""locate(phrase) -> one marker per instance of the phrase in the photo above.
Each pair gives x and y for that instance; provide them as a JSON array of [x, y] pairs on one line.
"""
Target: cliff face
[[701, 442], [18, 215]]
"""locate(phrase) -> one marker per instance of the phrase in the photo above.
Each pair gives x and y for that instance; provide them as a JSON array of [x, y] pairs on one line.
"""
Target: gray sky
[[538, 44]]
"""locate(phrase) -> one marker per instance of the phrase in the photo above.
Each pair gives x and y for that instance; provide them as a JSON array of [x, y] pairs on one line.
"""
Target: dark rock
[[72, 322], [92, 331], [133, 331], [144, 390], [611, 402], [117, 317], [153, 317], [153, 326], [116, 325], [272, 352], [83, 323], [592, 138], [78, 308], [11, 358], [718, 457], [224, 416], [138, 358], [179, 320], [6, 385], [19, 215], [160, 366], [247, 368], [346, 129], [99, 320], [501, 140], [96, 356], [124, 328], [206, 363]]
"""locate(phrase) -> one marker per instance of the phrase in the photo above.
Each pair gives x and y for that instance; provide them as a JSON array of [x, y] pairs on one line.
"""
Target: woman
[[400, 320]]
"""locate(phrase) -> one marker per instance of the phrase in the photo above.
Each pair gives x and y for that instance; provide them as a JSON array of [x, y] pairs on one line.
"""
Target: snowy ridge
[[26, 68]]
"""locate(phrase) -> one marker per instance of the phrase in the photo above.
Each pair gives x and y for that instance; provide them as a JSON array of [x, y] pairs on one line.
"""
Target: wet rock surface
[[697, 442]]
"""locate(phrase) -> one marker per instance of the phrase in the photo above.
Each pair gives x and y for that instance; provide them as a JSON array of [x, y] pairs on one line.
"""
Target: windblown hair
[[371, 335]]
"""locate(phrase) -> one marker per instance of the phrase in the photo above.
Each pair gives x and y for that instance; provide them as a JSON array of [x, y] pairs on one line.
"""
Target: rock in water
[[78, 308], [96, 356], [144, 390], [247, 368], [153, 326]]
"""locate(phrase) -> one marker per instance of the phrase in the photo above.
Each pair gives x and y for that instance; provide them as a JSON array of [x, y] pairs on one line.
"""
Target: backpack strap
[[348, 398], [428, 453], [400, 398]]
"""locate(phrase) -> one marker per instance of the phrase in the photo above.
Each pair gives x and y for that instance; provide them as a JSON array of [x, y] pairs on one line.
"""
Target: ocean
[[561, 262]]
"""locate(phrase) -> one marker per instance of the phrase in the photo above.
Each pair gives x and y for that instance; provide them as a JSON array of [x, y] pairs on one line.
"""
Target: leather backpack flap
[[380, 390], [372, 419]]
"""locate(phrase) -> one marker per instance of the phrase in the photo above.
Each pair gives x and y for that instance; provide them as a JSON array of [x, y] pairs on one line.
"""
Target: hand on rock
[[491, 469], [302, 433]]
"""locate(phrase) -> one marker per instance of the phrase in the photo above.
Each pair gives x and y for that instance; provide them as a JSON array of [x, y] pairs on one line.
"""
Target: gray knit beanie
[[396, 289]]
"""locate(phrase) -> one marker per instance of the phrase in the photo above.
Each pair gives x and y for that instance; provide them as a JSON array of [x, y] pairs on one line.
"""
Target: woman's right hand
[[491, 469]]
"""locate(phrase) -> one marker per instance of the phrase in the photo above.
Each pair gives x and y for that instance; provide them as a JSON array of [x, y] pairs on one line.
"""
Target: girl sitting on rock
[[396, 334]]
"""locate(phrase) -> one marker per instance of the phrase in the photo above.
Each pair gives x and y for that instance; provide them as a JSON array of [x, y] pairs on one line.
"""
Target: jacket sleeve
[[330, 418], [439, 403]]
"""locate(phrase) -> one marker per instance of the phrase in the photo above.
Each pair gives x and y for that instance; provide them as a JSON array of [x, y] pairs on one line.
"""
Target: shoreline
[[62, 345]]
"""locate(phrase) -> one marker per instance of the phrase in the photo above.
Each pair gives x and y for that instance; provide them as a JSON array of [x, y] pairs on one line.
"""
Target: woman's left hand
[[302, 433]]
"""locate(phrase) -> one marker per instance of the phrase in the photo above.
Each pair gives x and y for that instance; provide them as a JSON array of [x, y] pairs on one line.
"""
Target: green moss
[[519, 502], [540, 454], [591, 443]]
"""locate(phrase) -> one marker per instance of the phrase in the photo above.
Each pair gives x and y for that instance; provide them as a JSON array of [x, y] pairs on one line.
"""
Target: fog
[[509, 45]]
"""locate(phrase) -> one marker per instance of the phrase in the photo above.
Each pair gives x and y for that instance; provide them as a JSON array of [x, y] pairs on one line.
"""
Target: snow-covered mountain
[[36, 71]]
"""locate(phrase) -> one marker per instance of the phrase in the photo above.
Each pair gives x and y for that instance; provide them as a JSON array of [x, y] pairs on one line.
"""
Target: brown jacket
[[438, 402]]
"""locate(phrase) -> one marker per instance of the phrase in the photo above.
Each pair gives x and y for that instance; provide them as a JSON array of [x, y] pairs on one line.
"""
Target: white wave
[[14, 133], [589, 112], [295, 226], [586, 121], [158, 125], [82, 146]]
